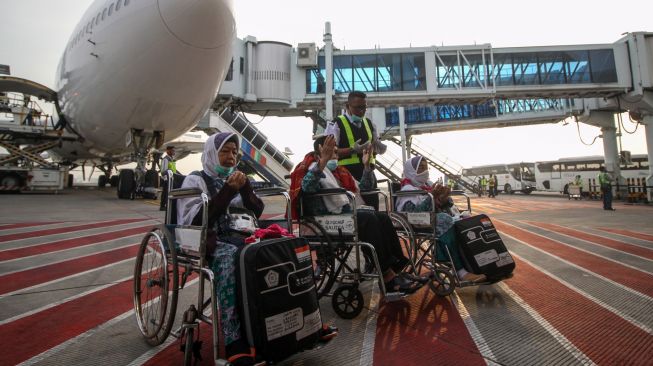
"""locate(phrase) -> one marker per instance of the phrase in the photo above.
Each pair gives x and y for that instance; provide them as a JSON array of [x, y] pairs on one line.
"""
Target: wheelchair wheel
[[406, 235], [322, 253], [347, 301], [443, 284], [155, 285]]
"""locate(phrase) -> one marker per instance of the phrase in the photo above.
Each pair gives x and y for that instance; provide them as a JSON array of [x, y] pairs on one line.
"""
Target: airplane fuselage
[[151, 65]]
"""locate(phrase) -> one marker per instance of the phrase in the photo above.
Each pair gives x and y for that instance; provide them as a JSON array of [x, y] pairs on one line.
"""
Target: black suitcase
[[279, 307], [482, 249]]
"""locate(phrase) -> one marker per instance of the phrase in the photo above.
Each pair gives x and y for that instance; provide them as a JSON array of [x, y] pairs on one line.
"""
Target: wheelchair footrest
[[394, 296]]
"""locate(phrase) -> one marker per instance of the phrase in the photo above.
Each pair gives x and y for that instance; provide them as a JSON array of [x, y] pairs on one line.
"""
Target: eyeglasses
[[358, 107]]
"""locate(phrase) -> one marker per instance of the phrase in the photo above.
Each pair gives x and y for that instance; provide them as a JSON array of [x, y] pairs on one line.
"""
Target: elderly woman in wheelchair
[[438, 201], [320, 171], [225, 187]]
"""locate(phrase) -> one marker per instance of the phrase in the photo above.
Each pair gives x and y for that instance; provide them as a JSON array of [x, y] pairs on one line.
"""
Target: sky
[[35, 33]]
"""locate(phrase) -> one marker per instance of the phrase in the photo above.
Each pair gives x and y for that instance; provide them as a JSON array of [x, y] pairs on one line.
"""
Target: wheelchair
[[169, 255], [418, 228], [338, 258]]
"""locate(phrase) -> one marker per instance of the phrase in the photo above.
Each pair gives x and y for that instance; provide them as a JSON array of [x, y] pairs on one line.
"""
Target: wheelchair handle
[[184, 193], [270, 191]]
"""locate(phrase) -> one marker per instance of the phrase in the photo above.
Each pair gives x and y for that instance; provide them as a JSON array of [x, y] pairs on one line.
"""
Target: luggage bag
[[279, 305], [482, 249]]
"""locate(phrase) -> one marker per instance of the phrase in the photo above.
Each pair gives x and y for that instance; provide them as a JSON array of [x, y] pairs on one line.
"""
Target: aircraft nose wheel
[[443, 283], [347, 301]]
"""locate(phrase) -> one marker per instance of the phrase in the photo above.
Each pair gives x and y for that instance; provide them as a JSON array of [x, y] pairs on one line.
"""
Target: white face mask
[[422, 177]]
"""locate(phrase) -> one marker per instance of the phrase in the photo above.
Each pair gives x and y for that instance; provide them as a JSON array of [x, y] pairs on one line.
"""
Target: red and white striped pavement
[[582, 294]]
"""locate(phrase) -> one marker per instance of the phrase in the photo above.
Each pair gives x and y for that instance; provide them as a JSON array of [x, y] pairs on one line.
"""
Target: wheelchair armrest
[[184, 193], [326, 192], [271, 191]]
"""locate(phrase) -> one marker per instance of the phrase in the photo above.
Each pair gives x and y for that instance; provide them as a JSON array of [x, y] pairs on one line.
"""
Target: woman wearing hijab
[[320, 170], [416, 177], [226, 187]]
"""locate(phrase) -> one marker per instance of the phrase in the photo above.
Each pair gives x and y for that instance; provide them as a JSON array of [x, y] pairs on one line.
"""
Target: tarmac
[[582, 291]]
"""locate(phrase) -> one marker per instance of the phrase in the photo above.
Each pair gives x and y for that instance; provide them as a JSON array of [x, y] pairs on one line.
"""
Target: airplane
[[135, 75]]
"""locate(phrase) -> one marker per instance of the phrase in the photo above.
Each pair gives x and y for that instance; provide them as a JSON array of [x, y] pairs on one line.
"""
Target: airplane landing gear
[[140, 182]]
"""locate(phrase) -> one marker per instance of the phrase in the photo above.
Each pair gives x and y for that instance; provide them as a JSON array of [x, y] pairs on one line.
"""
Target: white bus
[[556, 175], [511, 178]]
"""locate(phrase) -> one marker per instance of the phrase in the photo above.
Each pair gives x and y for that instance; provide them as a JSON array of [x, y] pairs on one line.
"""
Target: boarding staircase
[[259, 155], [445, 166]]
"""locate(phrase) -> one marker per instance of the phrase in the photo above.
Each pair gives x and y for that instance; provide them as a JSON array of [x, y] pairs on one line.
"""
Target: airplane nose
[[199, 23]]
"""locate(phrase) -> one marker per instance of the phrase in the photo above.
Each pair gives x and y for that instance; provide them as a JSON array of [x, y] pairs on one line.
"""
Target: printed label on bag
[[312, 323], [486, 222], [333, 223], [486, 257], [303, 253], [504, 259], [419, 218], [279, 325]]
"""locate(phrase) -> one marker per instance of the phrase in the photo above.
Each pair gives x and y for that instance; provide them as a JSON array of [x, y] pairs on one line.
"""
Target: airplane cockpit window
[[126, 2], [104, 13], [118, 5], [111, 9], [97, 19]]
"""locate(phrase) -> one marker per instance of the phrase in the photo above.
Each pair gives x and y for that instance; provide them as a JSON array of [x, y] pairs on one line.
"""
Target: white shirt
[[332, 128]]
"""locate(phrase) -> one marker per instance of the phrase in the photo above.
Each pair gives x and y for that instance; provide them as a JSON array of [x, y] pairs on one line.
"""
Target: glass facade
[[455, 112], [406, 71], [370, 73]]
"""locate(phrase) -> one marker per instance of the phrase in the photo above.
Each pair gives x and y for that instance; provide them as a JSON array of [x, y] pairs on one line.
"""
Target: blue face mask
[[332, 164], [355, 118], [223, 171]]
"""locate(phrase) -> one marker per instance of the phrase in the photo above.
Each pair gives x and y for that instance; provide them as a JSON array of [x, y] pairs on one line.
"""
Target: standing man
[[491, 187], [354, 133], [483, 185], [167, 163], [605, 180], [579, 183]]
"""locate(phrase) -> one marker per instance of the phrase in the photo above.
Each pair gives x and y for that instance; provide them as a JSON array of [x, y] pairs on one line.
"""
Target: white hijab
[[188, 208], [410, 173]]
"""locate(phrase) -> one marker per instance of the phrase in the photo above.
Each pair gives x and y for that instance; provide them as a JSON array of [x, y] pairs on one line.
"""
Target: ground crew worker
[[605, 181], [492, 187], [579, 183], [354, 133], [167, 163], [483, 184], [451, 183]]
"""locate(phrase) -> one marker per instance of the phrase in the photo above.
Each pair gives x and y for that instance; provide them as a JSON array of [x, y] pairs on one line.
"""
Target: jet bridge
[[449, 87]]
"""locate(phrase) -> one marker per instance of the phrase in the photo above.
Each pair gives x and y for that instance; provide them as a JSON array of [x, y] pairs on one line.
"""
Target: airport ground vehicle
[[511, 178], [557, 175]]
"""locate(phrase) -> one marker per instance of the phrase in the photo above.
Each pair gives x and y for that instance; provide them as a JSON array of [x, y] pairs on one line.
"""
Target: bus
[[511, 178], [556, 175]]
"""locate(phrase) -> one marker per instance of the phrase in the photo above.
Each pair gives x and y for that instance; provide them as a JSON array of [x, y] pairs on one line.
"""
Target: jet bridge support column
[[610, 150], [648, 128]]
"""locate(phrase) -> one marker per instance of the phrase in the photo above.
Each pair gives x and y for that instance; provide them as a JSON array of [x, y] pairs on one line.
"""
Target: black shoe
[[162, 208]]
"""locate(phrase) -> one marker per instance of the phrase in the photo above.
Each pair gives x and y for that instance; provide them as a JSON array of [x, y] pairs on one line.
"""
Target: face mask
[[332, 164], [356, 119], [422, 177], [222, 171]]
